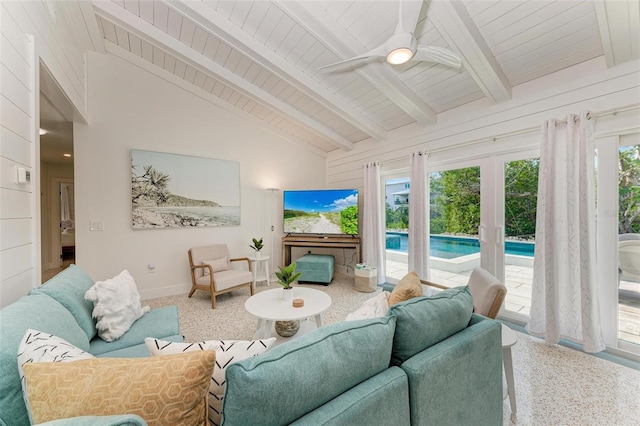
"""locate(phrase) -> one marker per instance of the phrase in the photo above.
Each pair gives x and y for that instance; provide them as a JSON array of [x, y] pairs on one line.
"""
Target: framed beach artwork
[[181, 191]]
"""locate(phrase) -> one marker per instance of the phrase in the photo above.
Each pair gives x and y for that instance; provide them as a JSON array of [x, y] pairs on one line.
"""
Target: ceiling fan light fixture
[[400, 56]]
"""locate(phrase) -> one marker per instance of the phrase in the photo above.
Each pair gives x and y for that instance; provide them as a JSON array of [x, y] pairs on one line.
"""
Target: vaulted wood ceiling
[[261, 58]]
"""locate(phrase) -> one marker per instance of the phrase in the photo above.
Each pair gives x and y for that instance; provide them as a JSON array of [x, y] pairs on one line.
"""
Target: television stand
[[318, 241]]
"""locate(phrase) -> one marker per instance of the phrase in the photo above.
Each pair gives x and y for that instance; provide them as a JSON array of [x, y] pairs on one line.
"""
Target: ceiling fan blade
[[439, 55], [378, 52], [408, 13]]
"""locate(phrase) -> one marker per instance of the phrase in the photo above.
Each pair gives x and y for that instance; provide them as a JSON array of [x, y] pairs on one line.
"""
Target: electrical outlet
[[96, 225]]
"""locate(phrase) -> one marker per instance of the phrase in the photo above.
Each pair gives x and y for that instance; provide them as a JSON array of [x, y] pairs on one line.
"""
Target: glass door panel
[[454, 224], [629, 243], [517, 233], [396, 192]]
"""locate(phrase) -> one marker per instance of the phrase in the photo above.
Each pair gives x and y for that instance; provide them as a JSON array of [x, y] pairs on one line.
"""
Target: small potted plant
[[286, 276], [257, 246]]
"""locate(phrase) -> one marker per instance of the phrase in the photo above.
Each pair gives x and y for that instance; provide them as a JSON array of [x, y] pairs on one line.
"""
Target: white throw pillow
[[221, 264], [375, 307], [227, 352], [116, 305], [37, 346]]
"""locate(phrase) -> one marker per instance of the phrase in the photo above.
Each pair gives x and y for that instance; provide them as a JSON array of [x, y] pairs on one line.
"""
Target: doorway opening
[[57, 207]]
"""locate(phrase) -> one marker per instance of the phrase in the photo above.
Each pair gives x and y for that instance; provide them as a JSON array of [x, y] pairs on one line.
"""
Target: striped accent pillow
[[227, 352]]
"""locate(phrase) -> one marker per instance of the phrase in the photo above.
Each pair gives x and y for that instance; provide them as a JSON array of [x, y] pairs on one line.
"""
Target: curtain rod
[[590, 115]]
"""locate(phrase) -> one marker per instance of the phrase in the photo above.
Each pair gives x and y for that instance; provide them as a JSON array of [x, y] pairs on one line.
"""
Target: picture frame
[[182, 191]]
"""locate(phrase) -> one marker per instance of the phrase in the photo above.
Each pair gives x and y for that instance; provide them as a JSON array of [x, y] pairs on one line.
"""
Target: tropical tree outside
[[629, 189], [521, 198], [455, 201]]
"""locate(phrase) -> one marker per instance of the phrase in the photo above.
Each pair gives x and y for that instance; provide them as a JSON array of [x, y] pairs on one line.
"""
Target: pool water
[[451, 247]]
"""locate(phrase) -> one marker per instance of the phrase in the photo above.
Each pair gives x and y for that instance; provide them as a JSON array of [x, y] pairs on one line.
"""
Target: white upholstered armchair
[[211, 271]]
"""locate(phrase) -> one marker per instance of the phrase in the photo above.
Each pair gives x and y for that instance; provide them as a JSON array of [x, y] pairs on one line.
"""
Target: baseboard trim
[[171, 290]]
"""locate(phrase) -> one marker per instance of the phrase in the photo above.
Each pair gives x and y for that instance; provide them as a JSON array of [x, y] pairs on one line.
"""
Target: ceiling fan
[[402, 46]]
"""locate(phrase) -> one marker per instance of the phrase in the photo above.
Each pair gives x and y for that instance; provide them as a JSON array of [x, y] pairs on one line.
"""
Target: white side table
[[509, 339], [255, 265]]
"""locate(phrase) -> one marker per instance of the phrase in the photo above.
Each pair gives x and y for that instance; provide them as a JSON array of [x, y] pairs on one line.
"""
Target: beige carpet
[[231, 321]]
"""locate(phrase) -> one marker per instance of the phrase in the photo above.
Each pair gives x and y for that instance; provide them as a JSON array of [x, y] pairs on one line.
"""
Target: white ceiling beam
[[161, 39], [455, 25], [619, 23], [311, 16], [240, 40]]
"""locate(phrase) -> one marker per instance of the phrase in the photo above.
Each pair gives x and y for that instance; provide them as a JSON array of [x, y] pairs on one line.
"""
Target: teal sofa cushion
[[138, 351], [39, 312], [425, 321], [299, 376], [459, 380], [68, 287], [380, 400], [158, 323]]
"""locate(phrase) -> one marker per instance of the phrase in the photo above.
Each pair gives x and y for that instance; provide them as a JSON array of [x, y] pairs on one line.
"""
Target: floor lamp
[[272, 192]]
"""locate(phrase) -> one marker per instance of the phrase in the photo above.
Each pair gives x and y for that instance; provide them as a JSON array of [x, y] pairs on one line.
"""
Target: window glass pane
[[454, 222], [629, 243], [397, 226], [520, 202]]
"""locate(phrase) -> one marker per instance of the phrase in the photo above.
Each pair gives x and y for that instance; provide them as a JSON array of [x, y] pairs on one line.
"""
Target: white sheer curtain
[[564, 301], [373, 241], [418, 216]]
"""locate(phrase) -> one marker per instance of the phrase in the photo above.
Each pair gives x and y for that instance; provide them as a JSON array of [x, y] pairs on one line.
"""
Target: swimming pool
[[449, 247]]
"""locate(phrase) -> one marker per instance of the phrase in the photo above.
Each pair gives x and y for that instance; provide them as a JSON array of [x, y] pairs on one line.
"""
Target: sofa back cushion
[[40, 312], [301, 375], [425, 321], [68, 287]]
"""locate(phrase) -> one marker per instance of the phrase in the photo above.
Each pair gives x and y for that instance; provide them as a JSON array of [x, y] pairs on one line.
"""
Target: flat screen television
[[321, 211]]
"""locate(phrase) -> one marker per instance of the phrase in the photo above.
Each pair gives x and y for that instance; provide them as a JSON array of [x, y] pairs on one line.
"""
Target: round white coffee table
[[270, 307]]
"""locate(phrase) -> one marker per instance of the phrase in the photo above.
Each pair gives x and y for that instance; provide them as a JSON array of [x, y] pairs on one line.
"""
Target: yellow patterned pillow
[[407, 288], [162, 390]]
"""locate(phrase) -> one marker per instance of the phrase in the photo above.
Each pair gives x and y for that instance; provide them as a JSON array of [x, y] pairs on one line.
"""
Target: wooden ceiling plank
[[619, 23], [456, 26], [273, 62], [160, 15], [146, 10], [325, 29], [173, 46]]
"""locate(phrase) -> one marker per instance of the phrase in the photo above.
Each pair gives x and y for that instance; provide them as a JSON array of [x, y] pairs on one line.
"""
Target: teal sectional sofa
[[58, 307], [430, 361]]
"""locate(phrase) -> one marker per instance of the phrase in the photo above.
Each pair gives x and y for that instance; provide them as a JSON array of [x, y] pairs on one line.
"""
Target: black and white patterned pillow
[[37, 346], [227, 352]]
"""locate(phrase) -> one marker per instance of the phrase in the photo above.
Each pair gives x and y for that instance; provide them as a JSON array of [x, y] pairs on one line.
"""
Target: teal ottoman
[[315, 268]]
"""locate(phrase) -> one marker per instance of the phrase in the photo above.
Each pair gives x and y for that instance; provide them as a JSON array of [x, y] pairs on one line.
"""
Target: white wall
[[56, 34], [585, 87], [17, 136], [131, 108]]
